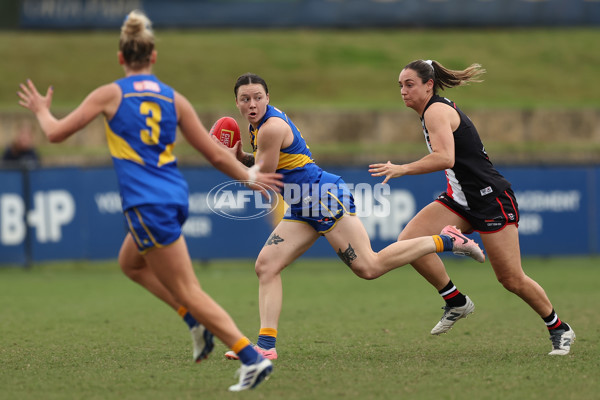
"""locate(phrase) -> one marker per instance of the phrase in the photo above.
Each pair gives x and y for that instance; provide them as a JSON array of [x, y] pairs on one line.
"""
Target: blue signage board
[[224, 220], [56, 217], [594, 211], [554, 204], [104, 226], [13, 230], [89, 14], [75, 213]]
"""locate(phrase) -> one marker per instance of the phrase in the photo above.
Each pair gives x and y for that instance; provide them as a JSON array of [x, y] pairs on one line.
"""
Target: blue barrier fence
[[75, 213], [86, 14]]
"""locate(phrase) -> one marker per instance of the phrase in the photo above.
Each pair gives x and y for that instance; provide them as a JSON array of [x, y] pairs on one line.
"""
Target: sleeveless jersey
[[473, 181], [141, 137], [295, 161]]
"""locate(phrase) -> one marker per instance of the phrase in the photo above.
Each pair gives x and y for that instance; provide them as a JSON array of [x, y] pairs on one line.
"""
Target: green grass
[[540, 68], [357, 69], [83, 331]]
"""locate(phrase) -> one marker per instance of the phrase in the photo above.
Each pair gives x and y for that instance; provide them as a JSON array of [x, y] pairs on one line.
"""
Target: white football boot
[[252, 375], [451, 315]]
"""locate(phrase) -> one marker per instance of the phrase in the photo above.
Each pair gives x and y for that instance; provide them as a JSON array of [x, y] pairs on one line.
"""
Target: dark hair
[[137, 40], [444, 77], [247, 79]]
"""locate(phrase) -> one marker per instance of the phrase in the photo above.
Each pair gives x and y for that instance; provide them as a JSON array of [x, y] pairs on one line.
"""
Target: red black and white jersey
[[473, 181]]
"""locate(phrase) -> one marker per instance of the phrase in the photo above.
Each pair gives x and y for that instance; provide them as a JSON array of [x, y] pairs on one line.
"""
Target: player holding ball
[[325, 207]]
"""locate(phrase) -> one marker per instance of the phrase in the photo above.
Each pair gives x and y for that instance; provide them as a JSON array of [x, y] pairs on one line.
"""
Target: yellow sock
[[268, 332], [439, 243], [182, 311], [240, 344]]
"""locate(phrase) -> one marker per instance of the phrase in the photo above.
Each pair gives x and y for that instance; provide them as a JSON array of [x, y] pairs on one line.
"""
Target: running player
[[478, 198], [142, 115], [320, 204]]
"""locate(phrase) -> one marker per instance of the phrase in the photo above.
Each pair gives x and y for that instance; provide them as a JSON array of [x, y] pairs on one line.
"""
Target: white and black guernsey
[[473, 181]]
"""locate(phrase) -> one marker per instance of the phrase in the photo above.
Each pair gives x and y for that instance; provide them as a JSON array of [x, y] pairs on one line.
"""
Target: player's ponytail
[[443, 77]]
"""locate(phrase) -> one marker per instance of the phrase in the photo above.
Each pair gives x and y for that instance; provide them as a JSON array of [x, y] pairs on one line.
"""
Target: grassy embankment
[[323, 69]]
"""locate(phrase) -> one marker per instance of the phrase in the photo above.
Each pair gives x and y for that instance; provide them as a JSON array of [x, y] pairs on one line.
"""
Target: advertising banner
[[555, 206], [13, 230], [75, 213], [88, 14]]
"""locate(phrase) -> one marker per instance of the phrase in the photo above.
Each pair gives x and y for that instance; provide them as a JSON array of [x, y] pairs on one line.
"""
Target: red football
[[227, 131]]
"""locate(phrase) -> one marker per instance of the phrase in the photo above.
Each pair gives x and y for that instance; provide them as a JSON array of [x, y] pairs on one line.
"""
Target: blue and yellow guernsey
[[141, 137], [295, 162]]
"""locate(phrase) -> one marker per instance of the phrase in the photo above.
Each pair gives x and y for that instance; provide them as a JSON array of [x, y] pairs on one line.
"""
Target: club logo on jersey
[[486, 190], [146, 86]]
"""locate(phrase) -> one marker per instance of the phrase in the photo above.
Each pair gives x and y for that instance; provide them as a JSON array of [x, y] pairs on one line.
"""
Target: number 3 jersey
[[141, 137]]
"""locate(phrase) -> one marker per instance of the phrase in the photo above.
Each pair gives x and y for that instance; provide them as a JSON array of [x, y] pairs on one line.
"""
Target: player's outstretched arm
[[101, 100]]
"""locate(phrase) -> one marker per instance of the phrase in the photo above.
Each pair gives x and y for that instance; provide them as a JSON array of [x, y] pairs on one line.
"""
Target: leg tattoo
[[274, 239], [348, 255]]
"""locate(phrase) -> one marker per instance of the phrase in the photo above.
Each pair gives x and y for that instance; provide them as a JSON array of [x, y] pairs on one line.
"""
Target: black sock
[[452, 296], [553, 322]]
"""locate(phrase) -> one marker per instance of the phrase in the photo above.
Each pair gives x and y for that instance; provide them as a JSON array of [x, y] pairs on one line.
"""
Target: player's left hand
[[264, 181], [32, 99], [388, 170], [235, 151]]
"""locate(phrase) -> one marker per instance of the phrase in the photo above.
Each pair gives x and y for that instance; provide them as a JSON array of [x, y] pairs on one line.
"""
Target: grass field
[[83, 331]]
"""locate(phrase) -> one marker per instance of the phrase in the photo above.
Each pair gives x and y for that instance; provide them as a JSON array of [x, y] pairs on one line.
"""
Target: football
[[226, 130]]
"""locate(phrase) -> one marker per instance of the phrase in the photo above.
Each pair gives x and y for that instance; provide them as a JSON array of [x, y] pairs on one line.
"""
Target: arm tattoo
[[348, 255], [274, 239], [247, 159]]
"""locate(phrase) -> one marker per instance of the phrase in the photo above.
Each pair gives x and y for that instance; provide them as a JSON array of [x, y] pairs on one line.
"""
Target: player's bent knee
[[364, 271], [132, 272], [265, 270], [366, 275]]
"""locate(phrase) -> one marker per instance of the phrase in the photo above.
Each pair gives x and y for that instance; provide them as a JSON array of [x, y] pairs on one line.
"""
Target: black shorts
[[499, 212]]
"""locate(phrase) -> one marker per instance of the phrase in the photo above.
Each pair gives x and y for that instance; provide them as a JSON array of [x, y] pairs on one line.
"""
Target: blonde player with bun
[[142, 115], [478, 198]]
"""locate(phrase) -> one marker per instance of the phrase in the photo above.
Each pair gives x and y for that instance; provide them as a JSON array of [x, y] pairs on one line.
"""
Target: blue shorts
[[153, 225], [335, 201]]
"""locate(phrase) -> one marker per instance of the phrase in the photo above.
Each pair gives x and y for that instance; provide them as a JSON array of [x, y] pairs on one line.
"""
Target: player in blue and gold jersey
[[142, 115], [320, 204]]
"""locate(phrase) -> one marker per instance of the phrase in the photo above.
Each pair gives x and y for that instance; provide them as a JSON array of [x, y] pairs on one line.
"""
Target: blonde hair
[[444, 77], [137, 40]]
